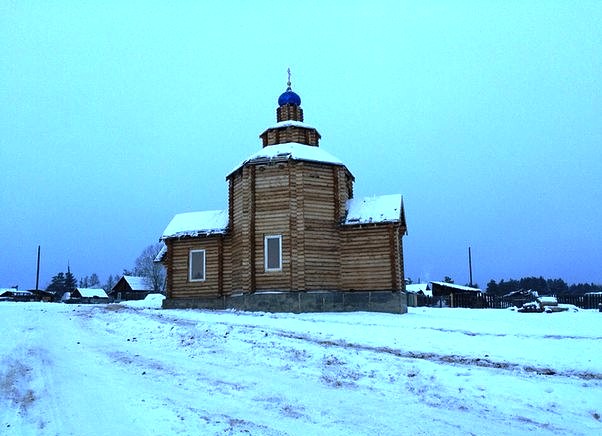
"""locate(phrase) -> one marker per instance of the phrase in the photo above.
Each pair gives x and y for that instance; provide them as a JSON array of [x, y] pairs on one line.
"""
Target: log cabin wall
[[289, 112], [366, 258], [168, 264], [320, 231], [225, 247], [242, 230], [396, 237], [290, 134], [299, 201], [304, 202], [343, 184], [273, 217], [297, 226], [181, 286], [234, 244]]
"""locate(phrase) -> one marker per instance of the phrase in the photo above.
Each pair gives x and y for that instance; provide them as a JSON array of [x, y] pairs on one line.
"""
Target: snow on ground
[[131, 369]]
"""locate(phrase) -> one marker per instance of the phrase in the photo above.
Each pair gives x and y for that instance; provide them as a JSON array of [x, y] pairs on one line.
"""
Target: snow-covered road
[[121, 370]]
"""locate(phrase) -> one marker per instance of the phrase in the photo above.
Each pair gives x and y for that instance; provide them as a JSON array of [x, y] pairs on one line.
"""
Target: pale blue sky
[[486, 116]]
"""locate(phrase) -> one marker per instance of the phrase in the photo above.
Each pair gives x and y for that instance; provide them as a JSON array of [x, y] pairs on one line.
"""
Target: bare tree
[[108, 287], [153, 272], [94, 281]]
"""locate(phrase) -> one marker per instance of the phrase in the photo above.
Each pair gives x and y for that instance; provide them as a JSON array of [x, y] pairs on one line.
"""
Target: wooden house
[[293, 237], [420, 289], [6, 294], [440, 289], [416, 292], [87, 295], [13, 294], [131, 288]]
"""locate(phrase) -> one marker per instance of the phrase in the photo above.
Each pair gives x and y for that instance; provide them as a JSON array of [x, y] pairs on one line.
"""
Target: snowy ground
[[130, 370]]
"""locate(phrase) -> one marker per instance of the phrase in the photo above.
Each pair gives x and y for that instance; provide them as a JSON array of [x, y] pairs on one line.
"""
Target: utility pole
[[38, 270], [470, 266]]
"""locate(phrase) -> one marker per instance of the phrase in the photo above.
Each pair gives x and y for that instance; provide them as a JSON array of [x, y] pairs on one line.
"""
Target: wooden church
[[293, 238]]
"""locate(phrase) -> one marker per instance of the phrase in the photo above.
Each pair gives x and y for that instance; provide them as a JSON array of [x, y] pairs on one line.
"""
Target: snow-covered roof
[[293, 151], [547, 300], [414, 288], [522, 293], [14, 292], [138, 283], [92, 292], [290, 123], [381, 209], [459, 287], [196, 224], [161, 254]]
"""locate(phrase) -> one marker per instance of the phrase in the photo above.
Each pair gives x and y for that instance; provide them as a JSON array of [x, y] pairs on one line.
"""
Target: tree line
[[144, 266], [541, 285]]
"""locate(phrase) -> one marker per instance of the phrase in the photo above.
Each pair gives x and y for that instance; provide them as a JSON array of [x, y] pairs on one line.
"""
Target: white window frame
[[266, 238], [190, 255]]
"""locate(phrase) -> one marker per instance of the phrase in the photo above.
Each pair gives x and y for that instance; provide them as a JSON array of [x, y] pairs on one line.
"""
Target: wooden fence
[[482, 301]]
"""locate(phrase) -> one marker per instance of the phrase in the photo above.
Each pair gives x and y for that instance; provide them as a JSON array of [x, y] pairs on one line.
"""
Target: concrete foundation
[[299, 302]]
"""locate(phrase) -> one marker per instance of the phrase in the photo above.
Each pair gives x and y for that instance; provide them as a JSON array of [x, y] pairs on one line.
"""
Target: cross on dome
[[289, 97]]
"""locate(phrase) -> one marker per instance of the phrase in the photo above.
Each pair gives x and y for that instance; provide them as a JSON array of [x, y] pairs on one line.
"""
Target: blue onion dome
[[289, 97]]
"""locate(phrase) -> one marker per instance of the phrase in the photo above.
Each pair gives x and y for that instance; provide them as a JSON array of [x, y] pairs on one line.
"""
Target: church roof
[[289, 123], [203, 223], [373, 210], [289, 97], [290, 151]]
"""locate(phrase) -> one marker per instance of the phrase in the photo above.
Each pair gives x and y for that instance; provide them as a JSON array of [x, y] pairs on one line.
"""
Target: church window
[[196, 272], [273, 252]]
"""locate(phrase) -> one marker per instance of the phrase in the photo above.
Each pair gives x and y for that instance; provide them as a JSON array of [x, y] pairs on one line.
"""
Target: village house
[[13, 294], [293, 238], [86, 295], [131, 288], [415, 291], [440, 289]]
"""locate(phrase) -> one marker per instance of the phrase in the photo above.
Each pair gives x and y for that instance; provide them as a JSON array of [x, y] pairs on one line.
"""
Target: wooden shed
[[292, 226]]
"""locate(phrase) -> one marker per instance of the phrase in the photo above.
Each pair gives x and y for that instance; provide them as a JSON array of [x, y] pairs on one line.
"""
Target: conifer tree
[[70, 281], [57, 285]]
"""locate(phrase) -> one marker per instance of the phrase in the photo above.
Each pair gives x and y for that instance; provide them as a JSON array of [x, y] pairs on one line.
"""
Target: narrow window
[[196, 272], [273, 253]]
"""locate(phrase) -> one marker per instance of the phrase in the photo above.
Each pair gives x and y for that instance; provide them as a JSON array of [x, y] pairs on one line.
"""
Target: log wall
[[368, 260], [234, 242], [304, 202], [272, 217], [178, 264], [320, 233], [282, 135]]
